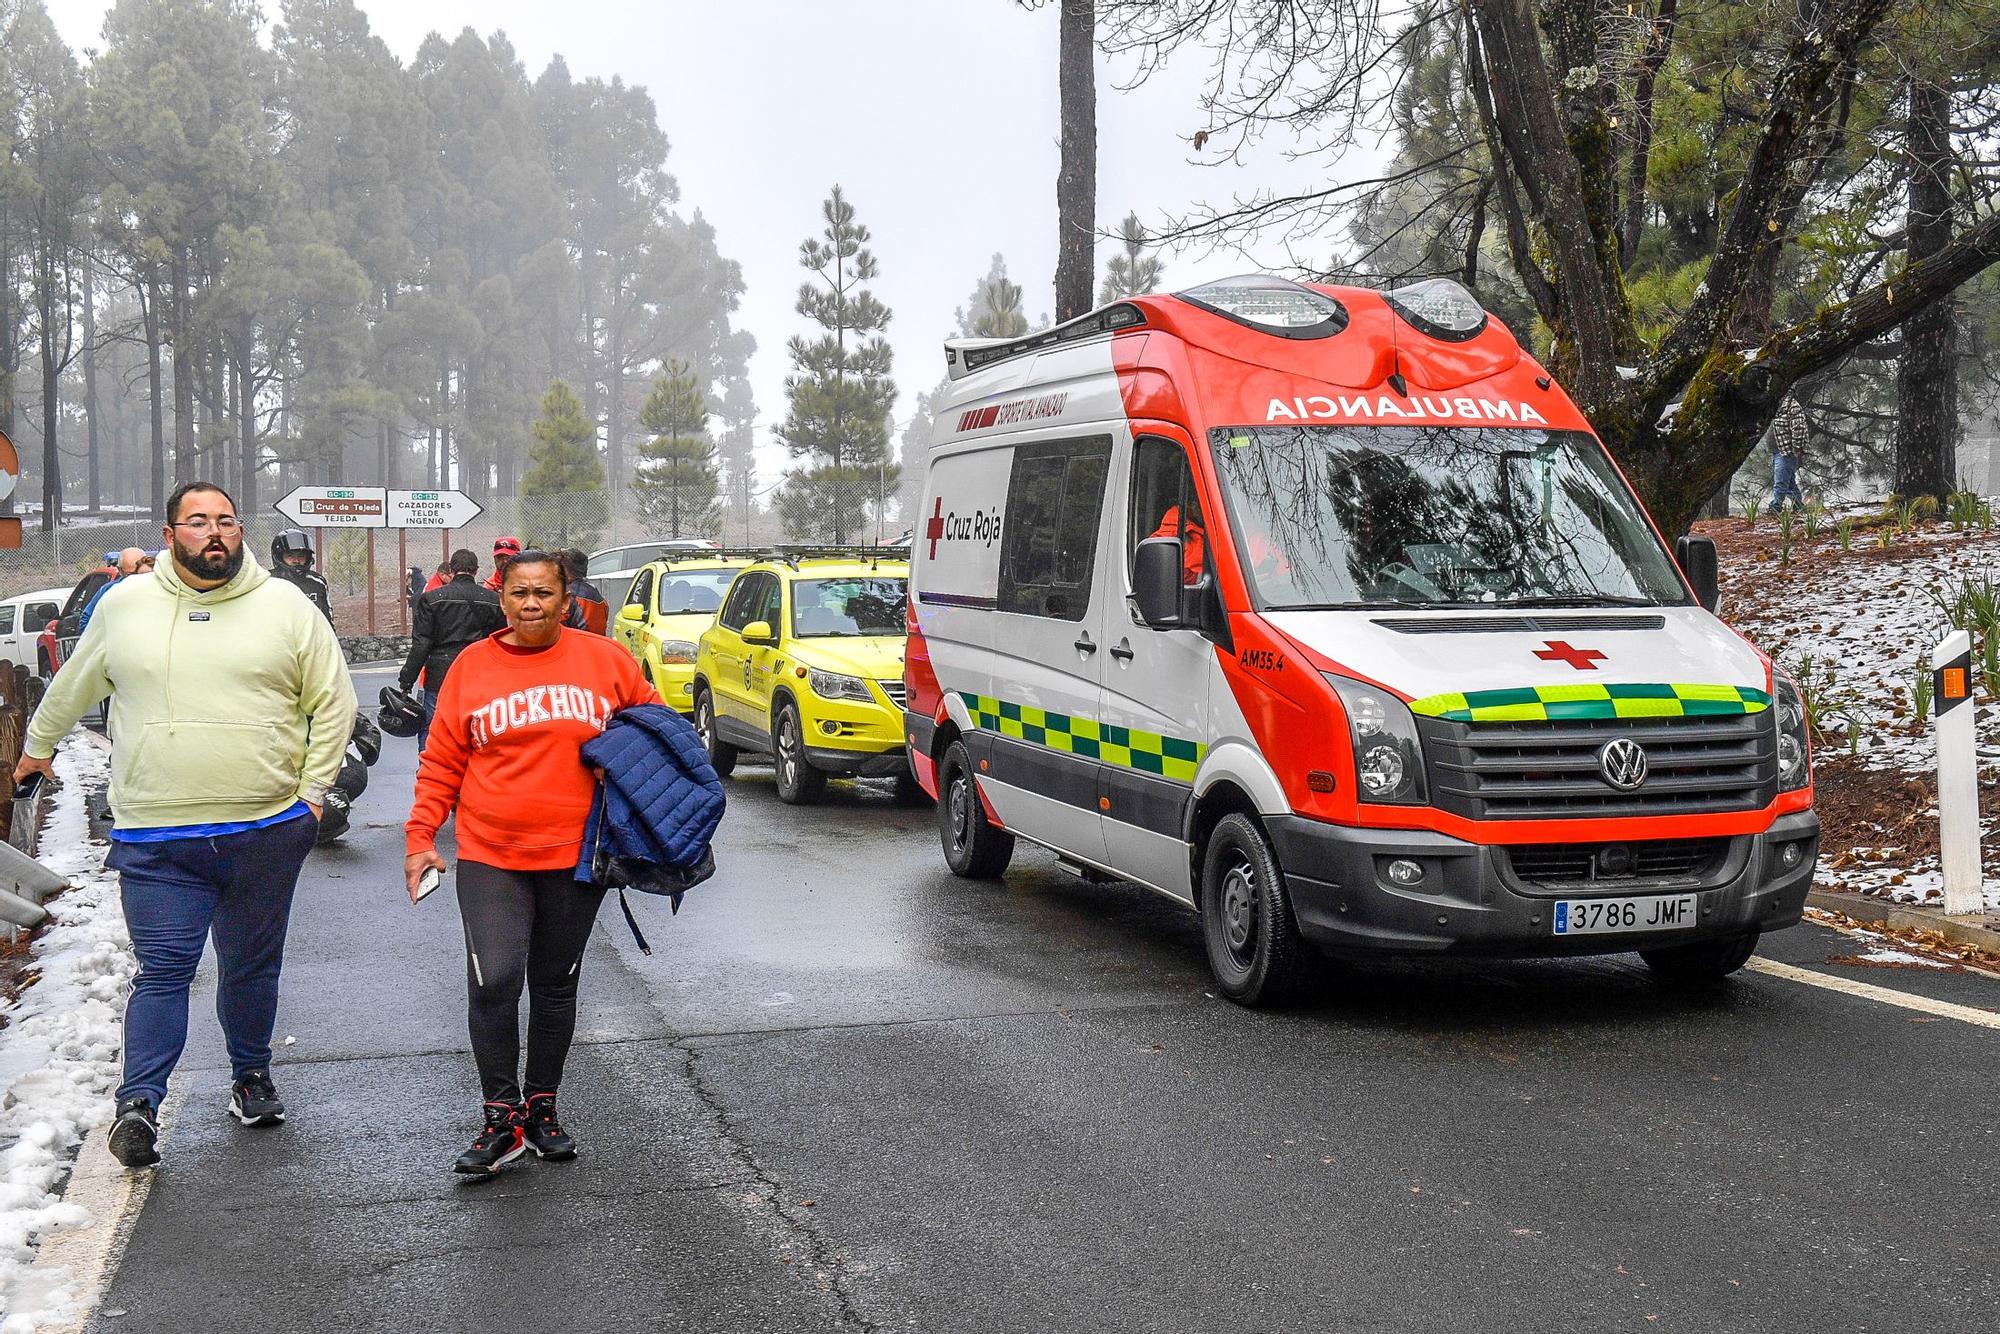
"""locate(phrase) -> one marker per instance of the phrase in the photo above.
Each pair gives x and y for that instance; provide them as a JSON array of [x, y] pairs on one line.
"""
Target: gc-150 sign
[[374, 507]]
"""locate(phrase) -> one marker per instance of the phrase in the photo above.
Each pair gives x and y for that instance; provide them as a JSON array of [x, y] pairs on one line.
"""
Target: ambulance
[[1322, 611]]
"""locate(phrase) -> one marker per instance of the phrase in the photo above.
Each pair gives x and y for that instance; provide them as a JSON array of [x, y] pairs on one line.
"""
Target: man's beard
[[205, 562]]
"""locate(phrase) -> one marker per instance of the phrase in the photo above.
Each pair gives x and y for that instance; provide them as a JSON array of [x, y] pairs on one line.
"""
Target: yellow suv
[[805, 664], [669, 603]]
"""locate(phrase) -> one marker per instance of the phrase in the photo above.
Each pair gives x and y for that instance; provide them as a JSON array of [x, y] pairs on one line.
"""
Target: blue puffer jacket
[[656, 810]]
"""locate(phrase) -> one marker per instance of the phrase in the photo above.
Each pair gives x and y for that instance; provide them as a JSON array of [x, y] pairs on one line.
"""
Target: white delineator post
[[1958, 774]]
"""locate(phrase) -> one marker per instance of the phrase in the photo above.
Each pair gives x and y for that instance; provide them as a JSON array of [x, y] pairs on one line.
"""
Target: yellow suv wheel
[[799, 784]]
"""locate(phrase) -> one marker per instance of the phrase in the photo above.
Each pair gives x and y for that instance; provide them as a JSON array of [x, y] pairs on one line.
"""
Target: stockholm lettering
[[534, 707]]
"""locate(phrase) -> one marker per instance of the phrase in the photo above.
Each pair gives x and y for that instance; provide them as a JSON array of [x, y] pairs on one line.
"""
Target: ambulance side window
[[1166, 504], [1055, 497]]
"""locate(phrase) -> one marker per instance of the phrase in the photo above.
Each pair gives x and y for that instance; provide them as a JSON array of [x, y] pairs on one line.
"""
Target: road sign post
[[372, 507], [1958, 775]]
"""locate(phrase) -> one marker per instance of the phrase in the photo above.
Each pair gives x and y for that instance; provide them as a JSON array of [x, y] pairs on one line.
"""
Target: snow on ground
[[60, 1050], [1853, 626]]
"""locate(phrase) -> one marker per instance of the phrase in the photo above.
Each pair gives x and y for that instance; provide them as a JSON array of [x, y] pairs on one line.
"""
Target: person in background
[[440, 576], [504, 550], [130, 561], [1791, 432], [413, 586], [587, 610], [292, 560], [449, 619], [238, 688], [510, 728]]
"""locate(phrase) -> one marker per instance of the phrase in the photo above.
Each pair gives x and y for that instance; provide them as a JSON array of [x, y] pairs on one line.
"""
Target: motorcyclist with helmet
[[291, 560]]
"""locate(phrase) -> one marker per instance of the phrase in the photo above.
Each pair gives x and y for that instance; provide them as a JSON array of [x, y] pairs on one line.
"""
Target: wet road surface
[[849, 1092]]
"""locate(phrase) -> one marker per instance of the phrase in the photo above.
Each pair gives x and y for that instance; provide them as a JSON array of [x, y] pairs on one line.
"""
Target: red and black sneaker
[[545, 1134], [498, 1143]]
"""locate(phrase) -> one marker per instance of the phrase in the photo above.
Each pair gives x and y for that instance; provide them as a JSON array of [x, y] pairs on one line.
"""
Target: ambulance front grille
[[1549, 770], [1647, 861]]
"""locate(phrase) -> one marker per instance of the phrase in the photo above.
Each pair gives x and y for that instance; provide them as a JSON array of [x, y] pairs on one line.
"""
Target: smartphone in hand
[[428, 881], [26, 789]]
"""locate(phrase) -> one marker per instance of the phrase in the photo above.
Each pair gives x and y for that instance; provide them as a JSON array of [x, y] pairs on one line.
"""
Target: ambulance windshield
[[1370, 516]]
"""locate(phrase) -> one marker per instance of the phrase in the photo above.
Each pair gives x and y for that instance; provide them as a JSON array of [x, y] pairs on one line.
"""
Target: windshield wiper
[[1581, 600]]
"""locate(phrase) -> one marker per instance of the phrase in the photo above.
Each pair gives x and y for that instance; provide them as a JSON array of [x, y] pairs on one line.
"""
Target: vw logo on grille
[[1623, 763]]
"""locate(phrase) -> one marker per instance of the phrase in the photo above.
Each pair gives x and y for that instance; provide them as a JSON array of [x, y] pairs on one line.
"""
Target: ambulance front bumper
[[1472, 900]]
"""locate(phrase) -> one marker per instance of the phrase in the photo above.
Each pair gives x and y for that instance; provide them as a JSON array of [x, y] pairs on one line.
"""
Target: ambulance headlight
[[836, 685], [1439, 307], [1388, 757], [1794, 751]]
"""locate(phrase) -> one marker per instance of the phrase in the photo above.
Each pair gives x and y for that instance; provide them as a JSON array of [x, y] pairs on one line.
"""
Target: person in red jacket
[[504, 550], [512, 719], [587, 610]]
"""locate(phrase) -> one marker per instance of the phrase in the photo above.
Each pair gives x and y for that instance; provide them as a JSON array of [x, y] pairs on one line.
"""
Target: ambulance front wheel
[[721, 755], [1702, 961], [973, 847], [1247, 923]]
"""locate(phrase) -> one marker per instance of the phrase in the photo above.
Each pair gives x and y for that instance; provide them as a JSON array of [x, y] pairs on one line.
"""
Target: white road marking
[[1869, 991]]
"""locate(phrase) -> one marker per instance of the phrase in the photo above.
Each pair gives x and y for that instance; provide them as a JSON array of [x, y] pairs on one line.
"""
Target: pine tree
[[994, 310], [841, 394], [677, 480], [1133, 273], [563, 491]]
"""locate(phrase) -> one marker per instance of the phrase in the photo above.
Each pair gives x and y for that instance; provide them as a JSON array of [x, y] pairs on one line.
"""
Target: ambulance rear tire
[[1254, 948], [1702, 961], [799, 784], [721, 755], [974, 847]]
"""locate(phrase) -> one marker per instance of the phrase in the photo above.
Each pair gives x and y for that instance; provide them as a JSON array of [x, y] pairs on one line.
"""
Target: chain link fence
[[848, 511]]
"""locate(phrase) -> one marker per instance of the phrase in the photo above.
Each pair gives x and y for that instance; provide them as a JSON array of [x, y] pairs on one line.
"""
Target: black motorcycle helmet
[[290, 542], [353, 779], [333, 817], [400, 714], [367, 738]]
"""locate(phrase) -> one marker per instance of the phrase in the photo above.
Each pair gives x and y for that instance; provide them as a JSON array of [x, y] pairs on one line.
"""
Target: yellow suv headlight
[[838, 685], [676, 650]]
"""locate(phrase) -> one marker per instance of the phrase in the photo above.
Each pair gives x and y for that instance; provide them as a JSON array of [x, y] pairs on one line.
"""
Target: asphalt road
[[852, 1092]]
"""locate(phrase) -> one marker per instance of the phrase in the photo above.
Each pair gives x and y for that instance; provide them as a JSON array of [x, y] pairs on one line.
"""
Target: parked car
[[59, 637], [612, 569], [805, 664], [671, 601], [23, 617]]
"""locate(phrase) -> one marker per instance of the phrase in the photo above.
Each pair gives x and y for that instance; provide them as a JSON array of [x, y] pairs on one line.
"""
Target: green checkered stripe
[[1107, 743], [1592, 702]]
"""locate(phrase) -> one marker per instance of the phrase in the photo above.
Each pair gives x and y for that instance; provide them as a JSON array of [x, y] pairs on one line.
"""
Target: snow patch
[[61, 1050]]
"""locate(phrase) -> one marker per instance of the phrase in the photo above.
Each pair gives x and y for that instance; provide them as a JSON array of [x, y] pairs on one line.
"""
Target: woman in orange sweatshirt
[[505, 751]]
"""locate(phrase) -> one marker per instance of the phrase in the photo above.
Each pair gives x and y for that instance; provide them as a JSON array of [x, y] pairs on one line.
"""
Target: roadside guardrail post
[[1958, 775]]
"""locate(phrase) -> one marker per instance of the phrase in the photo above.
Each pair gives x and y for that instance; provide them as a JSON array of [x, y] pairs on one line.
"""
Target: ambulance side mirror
[[1156, 582], [1698, 562]]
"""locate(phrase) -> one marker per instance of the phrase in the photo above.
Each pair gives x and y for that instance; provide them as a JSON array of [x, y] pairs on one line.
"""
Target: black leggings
[[522, 926]]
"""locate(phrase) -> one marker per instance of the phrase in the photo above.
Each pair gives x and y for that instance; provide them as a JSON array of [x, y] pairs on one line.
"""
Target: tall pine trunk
[[246, 424], [181, 337], [1076, 183], [93, 453], [1927, 373], [149, 299], [46, 303]]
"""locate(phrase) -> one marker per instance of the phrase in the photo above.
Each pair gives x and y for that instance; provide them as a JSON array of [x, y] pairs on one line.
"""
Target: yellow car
[[805, 664], [669, 603]]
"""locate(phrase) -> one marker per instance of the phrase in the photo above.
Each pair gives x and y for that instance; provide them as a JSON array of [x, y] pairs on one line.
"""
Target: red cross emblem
[[1557, 650], [935, 528]]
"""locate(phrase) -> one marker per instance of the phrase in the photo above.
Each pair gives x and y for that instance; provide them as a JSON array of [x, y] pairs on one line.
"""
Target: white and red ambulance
[[1322, 610]]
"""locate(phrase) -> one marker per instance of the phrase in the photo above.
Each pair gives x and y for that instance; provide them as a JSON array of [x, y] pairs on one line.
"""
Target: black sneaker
[[545, 1134], [134, 1133], [499, 1142], [254, 1101]]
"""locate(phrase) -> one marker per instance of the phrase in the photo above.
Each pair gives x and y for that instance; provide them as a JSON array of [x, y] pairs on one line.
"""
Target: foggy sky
[[939, 117]]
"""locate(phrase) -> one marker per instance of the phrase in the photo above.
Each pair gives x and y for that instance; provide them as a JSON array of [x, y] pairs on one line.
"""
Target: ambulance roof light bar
[[1270, 305], [1440, 308], [962, 356]]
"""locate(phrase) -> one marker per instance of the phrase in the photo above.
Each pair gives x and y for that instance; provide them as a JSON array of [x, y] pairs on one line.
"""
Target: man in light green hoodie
[[230, 709]]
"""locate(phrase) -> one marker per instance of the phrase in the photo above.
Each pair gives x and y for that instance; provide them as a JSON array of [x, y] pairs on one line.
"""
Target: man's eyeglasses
[[225, 525]]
